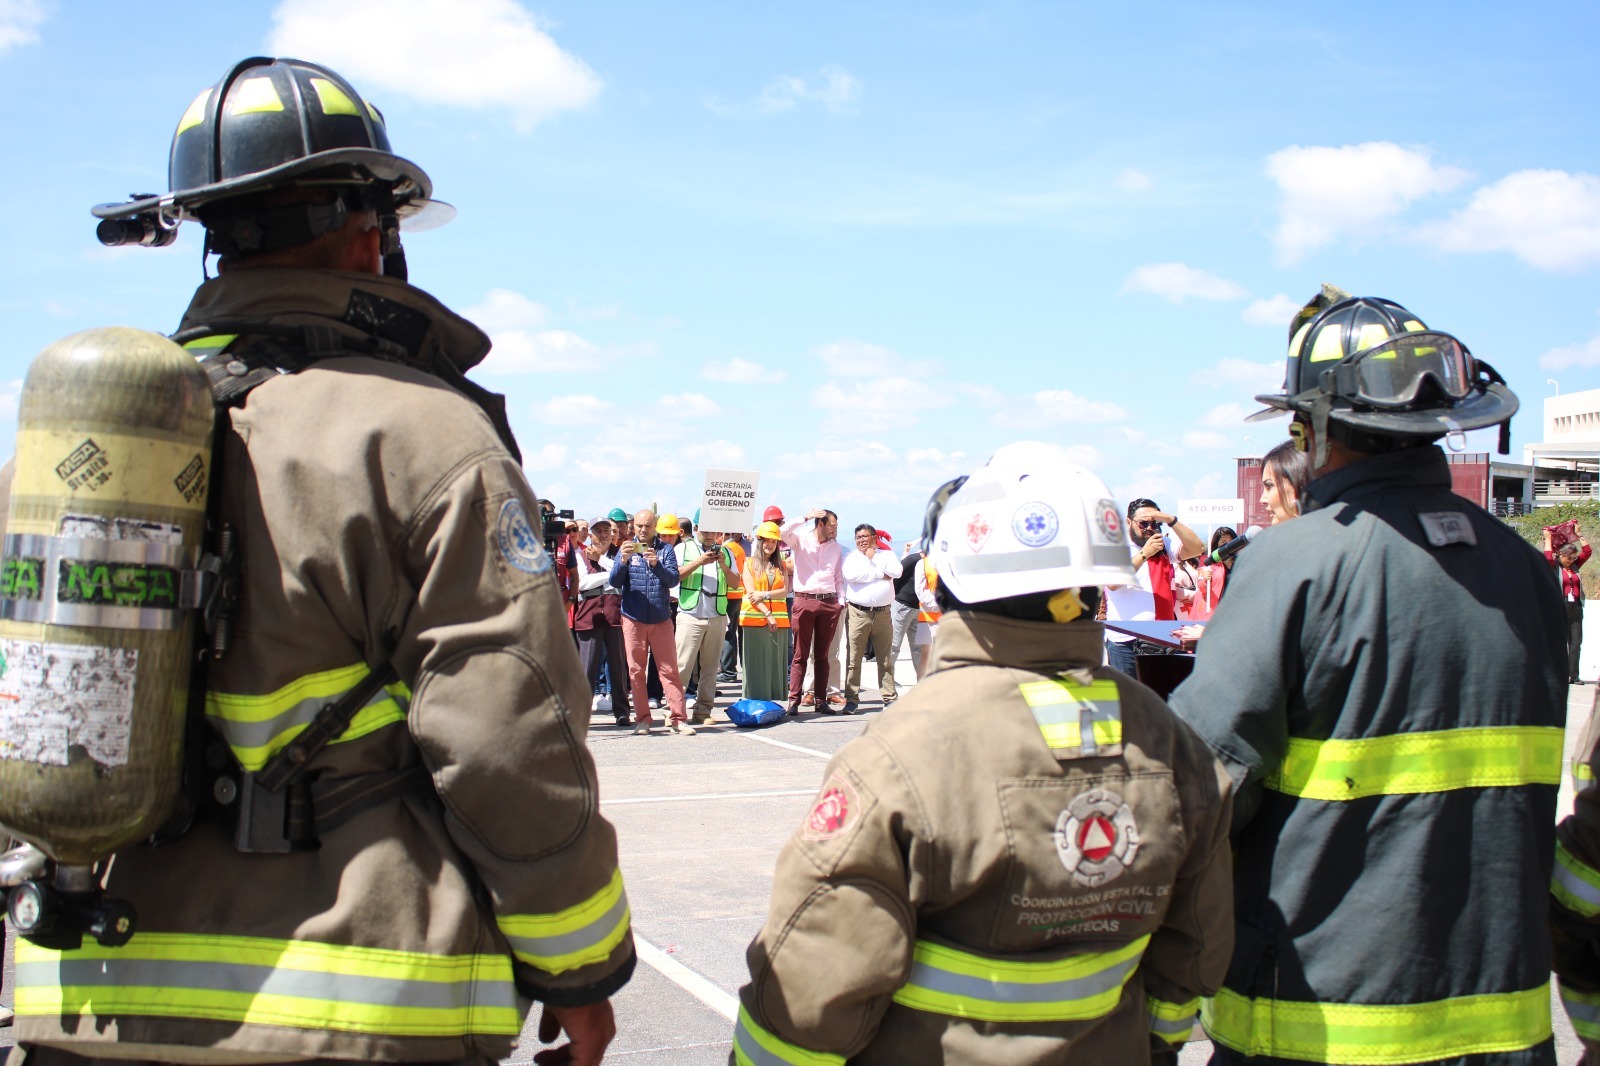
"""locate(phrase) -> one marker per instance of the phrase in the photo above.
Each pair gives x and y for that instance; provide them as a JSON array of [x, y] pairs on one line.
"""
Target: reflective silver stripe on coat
[[263, 733], [1577, 886], [1180, 1027], [980, 988], [547, 947], [264, 980]]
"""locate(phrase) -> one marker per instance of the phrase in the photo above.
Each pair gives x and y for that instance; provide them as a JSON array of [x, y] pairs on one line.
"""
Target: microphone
[[1234, 546]]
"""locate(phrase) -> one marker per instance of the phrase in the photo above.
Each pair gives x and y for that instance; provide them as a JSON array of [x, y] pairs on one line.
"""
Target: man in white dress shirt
[[869, 593]]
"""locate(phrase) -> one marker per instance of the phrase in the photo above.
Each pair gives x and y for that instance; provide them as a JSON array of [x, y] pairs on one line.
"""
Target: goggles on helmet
[[1392, 374]]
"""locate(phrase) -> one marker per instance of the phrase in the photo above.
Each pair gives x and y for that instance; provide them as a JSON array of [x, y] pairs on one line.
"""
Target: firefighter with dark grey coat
[[1384, 682], [1025, 862], [441, 861]]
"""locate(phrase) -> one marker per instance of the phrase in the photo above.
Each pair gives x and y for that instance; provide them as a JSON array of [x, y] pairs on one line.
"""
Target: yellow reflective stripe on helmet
[[1410, 763], [945, 980], [1583, 1011], [754, 1046], [1329, 344], [582, 935], [260, 981], [1371, 335], [203, 346], [1386, 1035], [256, 727], [1575, 884], [334, 100], [1173, 1022], [196, 113], [1064, 710], [253, 95]]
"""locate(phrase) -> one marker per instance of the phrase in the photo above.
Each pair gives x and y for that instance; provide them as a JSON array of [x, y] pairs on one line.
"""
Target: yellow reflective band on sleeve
[[1575, 884], [259, 981], [253, 95], [1173, 1022], [1379, 1035], [1583, 1011], [754, 1046], [1582, 774], [582, 935], [945, 980], [256, 727], [1076, 719], [196, 113], [1410, 763], [334, 100], [204, 346]]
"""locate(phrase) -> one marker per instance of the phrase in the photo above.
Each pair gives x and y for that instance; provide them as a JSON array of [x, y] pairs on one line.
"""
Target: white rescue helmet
[[1030, 520]]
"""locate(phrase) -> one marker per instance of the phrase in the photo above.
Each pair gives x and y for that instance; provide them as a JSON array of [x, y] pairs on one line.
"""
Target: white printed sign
[[728, 502], [1211, 512], [57, 696]]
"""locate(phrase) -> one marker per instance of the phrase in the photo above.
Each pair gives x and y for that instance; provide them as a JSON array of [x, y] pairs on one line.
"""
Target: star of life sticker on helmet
[[1035, 524], [1096, 837], [1108, 520]]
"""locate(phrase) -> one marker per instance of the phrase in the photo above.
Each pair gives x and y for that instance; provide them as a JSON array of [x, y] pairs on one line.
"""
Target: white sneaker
[[655, 705], [683, 729], [602, 702]]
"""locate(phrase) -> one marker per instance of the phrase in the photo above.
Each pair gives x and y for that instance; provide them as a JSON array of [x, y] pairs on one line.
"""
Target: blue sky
[[858, 247]]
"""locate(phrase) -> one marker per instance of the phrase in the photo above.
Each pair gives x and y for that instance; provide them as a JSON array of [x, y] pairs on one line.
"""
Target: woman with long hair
[[1284, 473], [764, 617]]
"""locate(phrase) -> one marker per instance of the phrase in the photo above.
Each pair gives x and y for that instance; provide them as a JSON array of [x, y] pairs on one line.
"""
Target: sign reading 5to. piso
[[728, 502]]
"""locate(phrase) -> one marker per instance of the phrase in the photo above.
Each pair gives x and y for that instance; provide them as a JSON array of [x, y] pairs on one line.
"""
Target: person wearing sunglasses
[[1385, 685], [1153, 596]]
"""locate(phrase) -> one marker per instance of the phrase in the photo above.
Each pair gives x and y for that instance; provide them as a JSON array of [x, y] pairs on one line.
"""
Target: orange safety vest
[[737, 552], [931, 617], [751, 614]]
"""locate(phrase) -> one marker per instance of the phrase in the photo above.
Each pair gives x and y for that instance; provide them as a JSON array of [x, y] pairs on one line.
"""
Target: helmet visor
[[1392, 373]]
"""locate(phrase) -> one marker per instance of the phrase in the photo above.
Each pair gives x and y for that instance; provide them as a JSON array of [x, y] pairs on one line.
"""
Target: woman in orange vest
[[927, 586], [764, 617]]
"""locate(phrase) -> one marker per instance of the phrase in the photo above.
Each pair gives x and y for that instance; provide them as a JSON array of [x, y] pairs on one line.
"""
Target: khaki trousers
[[700, 641], [877, 625]]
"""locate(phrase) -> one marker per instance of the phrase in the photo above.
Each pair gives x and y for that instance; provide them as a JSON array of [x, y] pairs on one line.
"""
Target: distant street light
[[1252, 447], [1553, 381]]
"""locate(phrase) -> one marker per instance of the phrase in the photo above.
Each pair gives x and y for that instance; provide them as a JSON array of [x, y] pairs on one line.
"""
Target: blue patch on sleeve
[[519, 544]]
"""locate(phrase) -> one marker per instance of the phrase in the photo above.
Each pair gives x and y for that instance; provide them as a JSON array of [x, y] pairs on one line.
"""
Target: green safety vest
[[692, 584]]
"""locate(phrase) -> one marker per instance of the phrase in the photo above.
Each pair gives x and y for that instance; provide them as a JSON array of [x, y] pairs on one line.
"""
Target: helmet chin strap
[[1319, 428]]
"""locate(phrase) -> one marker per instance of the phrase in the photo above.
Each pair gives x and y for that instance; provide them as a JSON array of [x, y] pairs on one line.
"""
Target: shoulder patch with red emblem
[[836, 810]]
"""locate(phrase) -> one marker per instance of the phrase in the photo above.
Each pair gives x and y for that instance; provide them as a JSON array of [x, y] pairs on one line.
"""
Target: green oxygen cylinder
[[107, 515]]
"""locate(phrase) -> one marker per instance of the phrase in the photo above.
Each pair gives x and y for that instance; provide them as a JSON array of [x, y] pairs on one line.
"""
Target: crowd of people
[[664, 610]]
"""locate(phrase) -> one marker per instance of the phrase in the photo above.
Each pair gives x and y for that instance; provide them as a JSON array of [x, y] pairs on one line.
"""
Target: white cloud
[[1547, 218], [503, 309], [547, 457], [470, 53], [848, 358], [1178, 281], [1586, 354], [1271, 311], [739, 372], [581, 410], [1131, 180], [1227, 414], [19, 23], [1153, 482], [1061, 406], [1328, 192], [832, 87], [688, 405], [1243, 374], [1206, 440], [521, 351]]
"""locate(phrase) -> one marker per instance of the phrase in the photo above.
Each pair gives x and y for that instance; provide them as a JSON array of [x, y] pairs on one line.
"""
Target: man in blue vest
[[1384, 684]]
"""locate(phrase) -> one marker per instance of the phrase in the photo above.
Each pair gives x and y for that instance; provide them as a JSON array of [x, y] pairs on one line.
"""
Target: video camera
[[555, 525]]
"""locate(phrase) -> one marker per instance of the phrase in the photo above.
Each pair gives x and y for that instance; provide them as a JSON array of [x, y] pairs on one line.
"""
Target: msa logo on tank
[[519, 544], [1096, 837]]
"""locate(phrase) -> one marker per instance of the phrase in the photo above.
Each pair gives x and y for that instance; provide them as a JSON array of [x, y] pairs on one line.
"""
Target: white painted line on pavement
[[711, 796], [786, 744], [722, 1002]]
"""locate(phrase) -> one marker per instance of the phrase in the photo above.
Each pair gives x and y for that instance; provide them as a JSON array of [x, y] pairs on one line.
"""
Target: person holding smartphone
[[1151, 599]]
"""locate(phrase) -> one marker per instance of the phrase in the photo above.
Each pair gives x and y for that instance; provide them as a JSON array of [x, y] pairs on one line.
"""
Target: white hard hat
[[1029, 521]]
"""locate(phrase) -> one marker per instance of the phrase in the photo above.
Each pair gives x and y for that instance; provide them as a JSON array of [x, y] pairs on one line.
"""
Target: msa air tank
[[107, 514]]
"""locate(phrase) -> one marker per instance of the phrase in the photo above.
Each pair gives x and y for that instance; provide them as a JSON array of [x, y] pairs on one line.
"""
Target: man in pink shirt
[[818, 597]]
